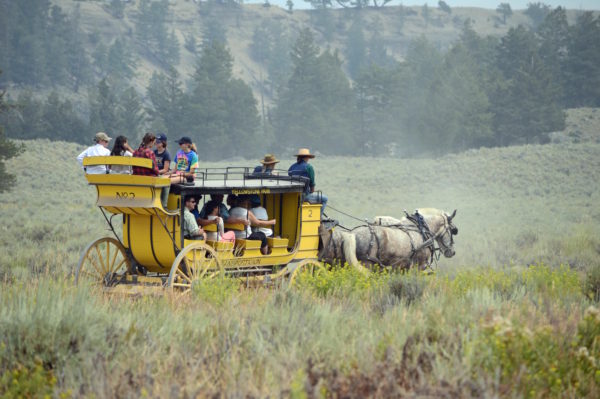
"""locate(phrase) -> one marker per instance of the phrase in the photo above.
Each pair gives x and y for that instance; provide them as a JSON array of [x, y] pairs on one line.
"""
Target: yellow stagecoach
[[151, 250]]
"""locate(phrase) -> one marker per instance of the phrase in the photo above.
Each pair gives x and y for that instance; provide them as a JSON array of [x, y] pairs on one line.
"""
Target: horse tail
[[349, 247]]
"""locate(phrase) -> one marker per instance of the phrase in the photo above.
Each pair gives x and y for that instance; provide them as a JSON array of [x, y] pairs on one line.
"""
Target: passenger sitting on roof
[[121, 149], [241, 211], [303, 169], [223, 211], [186, 161], [212, 210], [145, 151], [190, 227], [267, 167], [97, 150], [261, 214]]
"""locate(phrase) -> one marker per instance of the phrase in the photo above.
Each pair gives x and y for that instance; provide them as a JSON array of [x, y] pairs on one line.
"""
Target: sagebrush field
[[514, 314]]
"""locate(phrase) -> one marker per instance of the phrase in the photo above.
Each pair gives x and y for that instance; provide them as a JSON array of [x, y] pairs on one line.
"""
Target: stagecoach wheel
[[310, 267], [102, 262], [195, 262]]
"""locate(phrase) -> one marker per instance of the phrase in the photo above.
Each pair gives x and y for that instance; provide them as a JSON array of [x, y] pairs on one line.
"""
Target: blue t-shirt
[[161, 158]]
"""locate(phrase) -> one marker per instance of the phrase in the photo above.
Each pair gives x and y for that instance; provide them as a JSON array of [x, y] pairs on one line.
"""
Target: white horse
[[398, 243]]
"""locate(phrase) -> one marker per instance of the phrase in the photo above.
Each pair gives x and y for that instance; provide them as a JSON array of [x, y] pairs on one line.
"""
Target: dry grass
[[467, 331]]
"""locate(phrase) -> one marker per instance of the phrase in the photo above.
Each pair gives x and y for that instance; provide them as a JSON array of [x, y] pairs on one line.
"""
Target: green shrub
[[540, 362], [409, 287], [216, 291], [342, 281], [27, 382]]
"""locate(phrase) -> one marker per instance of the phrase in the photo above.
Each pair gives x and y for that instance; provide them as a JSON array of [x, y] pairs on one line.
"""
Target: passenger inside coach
[[190, 227], [241, 211]]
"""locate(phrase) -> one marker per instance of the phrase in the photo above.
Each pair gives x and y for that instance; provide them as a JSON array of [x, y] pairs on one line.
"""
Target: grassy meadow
[[513, 314]]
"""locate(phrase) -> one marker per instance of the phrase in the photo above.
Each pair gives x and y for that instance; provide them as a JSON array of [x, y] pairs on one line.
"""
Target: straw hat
[[304, 152], [269, 159]]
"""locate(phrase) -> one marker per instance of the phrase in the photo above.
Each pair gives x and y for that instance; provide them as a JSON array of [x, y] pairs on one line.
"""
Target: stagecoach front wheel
[[102, 262], [307, 267], [195, 262]]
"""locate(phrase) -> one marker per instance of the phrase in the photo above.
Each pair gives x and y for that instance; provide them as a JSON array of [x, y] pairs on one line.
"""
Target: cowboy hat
[[269, 159], [304, 152]]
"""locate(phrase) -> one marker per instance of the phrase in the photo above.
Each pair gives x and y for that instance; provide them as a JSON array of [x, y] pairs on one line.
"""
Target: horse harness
[[420, 226]]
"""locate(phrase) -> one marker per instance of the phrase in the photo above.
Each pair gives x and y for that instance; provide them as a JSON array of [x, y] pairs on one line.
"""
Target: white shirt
[[261, 214], [240, 213], [212, 235], [97, 150], [122, 169]]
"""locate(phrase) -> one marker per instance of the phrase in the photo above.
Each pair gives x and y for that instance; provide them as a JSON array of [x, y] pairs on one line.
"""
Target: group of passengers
[[152, 147], [246, 211]]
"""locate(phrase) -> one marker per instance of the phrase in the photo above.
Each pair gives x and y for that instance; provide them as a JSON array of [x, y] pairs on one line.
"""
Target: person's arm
[[206, 222], [257, 222], [154, 165], [166, 166], [80, 157], [311, 176]]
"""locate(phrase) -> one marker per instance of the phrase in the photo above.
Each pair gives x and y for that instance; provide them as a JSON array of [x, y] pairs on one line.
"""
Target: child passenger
[[186, 161], [121, 148]]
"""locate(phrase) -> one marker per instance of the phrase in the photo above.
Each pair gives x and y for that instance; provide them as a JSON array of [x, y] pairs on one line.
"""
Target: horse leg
[[349, 248]]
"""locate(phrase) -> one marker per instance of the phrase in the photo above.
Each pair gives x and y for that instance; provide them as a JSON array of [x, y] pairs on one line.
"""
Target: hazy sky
[[491, 4]]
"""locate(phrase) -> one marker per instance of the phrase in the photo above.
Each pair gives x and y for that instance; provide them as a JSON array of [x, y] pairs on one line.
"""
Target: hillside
[[515, 204], [398, 26]]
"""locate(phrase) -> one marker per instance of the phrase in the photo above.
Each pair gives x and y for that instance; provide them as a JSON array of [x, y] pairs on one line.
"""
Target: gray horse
[[398, 243]]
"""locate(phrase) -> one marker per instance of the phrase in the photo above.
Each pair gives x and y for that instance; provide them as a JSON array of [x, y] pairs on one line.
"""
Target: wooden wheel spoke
[[102, 256], [108, 264], [182, 285], [112, 262], [182, 274], [124, 260], [196, 261], [95, 265]]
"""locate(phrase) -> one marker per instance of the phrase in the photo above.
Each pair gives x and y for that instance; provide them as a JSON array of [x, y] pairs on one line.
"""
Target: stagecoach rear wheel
[[197, 261], [310, 267], [103, 262]]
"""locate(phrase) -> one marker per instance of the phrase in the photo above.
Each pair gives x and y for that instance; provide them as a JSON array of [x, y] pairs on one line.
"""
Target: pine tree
[[220, 111], [582, 66], [317, 107], [356, 47], [8, 150], [130, 114], [167, 99], [104, 115], [527, 104]]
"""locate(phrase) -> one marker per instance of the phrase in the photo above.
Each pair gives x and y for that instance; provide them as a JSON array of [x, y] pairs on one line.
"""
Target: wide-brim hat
[[101, 136], [184, 140], [269, 159], [304, 152]]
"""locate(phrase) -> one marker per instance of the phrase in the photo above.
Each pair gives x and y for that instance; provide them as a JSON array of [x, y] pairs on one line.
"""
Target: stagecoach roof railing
[[240, 177]]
